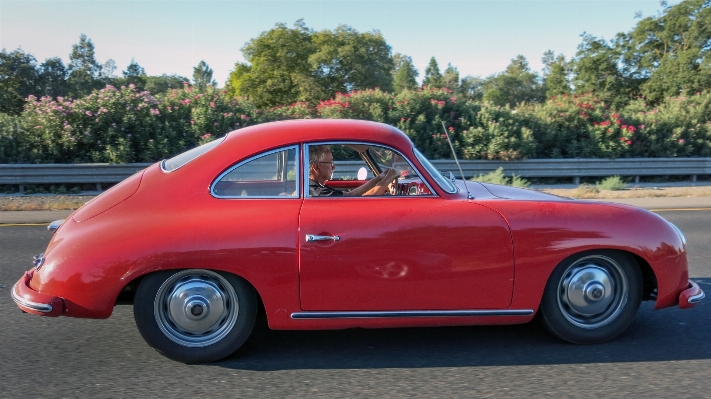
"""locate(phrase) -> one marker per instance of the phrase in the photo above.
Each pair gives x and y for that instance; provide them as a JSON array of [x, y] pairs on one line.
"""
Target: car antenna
[[454, 154]]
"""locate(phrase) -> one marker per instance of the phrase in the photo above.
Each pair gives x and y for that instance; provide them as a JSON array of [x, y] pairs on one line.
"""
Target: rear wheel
[[195, 316], [592, 297]]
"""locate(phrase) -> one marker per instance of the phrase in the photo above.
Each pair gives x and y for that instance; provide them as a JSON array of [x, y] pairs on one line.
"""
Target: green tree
[[598, 68], [450, 78], [517, 84], [163, 83], [433, 77], [555, 74], [133, 75], [202, 76], [285, 65], [84, 70], [107, 71], [19, 78], [670, 52], [405, 74], [53, 77], [346, 60], [277, 69], [471, 87]]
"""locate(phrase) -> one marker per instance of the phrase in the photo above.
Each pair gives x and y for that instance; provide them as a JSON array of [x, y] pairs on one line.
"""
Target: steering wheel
[[394, 186]]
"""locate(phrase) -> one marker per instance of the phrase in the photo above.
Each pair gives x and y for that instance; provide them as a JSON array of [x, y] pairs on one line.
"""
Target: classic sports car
[[202, 242]]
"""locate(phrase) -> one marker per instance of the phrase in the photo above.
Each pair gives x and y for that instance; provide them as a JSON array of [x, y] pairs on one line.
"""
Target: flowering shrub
[[9, 127], [121, 125]]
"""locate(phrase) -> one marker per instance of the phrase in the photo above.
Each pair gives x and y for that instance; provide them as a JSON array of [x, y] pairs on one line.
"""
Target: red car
[[331, 224]]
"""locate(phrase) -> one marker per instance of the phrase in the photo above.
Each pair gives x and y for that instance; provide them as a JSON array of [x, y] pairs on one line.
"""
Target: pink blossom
[[628, 142], [88, 113], [681, 141], [212, 104], [192, 122]]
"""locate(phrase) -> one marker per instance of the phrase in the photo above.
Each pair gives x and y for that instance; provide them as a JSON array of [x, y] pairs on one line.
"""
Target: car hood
[[509, 192]]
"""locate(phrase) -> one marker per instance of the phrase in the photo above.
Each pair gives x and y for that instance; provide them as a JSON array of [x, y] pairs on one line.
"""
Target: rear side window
[[180, 160], [271, 174]]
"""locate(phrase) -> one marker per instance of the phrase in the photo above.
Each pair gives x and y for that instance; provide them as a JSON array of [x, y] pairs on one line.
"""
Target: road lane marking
[[22, 224], [679, 209]]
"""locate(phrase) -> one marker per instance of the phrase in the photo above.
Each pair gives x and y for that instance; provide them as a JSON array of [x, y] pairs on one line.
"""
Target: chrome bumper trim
[[697, 298], [38, 307], [409, 313]]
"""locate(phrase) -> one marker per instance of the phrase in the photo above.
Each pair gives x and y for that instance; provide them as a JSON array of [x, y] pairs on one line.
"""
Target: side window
[[354, 169], [271, 174]]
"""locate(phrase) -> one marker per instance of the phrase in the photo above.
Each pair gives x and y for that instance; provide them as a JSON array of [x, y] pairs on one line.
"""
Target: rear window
[[178, 161]]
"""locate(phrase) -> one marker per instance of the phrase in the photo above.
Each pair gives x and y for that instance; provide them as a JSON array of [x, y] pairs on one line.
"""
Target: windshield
[[387, 158], [442, 181]]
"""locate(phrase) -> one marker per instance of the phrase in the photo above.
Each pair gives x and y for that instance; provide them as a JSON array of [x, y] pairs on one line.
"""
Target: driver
[[321, 169]]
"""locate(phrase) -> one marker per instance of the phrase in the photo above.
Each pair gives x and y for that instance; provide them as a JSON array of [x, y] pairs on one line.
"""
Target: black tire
[[592, 297], [195, 315]]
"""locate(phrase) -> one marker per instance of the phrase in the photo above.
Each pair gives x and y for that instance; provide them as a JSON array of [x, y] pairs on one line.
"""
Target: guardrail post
[[98, 187], [22, 189], [576, 180], [693, 178], [636, 179]]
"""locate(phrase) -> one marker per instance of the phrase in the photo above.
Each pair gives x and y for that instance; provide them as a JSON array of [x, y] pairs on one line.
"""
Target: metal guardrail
[[577, 168], [23, 174], [89, 173]]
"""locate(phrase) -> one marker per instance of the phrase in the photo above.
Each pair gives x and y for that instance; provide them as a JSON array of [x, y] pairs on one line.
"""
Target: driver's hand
[[390, 174]]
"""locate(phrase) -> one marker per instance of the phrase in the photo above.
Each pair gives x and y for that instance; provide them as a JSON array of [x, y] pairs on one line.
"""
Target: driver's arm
[[375, 186]]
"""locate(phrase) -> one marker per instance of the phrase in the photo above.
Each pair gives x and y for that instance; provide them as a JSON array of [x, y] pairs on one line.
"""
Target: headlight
[[681, 235]]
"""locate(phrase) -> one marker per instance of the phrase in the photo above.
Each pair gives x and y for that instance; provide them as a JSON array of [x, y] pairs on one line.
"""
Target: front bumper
[[31, 301], [691, 296]]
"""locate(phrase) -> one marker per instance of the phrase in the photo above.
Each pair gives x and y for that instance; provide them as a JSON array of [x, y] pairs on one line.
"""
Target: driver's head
[[321, 165]]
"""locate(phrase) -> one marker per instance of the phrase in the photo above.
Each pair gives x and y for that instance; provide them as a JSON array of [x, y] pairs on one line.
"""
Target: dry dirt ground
[[71, 202]]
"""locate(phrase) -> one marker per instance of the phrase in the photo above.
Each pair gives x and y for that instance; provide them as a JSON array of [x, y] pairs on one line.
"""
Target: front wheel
[[592, 297], [195, 316]]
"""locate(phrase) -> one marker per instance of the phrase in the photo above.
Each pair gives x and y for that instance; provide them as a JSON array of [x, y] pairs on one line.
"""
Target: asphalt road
[[664, 353]]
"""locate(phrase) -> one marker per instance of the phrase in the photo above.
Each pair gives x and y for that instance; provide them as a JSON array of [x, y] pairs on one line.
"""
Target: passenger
[[321, 169]]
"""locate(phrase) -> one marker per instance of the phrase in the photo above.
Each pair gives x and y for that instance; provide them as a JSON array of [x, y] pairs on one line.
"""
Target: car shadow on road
[[655, 335]]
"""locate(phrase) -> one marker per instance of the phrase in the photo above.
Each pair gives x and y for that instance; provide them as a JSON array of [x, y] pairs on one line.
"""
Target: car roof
[[275, 134]]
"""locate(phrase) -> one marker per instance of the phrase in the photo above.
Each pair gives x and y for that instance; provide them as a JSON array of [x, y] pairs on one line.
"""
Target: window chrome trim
[[297, 167], [433, 193], [420, 159], [162, 162], [38, 307], [410, 313], [55, 225]]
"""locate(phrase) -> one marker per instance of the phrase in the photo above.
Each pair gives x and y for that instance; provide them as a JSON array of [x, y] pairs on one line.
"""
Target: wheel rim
[[196, 308], [593, 291]]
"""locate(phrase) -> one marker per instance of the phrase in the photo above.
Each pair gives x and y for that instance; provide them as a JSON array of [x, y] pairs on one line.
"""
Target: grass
[[497, 177], [42, 203], [612, 183]]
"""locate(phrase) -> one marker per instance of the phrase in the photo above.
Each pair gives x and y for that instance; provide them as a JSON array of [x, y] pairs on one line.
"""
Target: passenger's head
[[320, 163]]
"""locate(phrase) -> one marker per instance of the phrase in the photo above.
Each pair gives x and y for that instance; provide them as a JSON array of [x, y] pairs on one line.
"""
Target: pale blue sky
[[478, 37]]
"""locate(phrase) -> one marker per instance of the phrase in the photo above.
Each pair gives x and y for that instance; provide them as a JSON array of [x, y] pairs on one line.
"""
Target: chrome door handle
[[312, 238]]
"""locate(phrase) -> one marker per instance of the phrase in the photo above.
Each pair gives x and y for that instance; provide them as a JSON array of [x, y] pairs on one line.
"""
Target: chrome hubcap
[[196, 308], [593, 291]]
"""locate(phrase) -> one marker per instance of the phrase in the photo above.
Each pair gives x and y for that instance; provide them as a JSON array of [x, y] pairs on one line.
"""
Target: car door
[[403, 252]]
